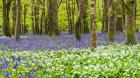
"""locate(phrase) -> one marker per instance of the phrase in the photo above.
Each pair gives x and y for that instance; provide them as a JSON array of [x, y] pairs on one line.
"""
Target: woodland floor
[[66, 41]]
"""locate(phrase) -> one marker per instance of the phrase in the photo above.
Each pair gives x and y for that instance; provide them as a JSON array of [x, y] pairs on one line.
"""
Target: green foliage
[[113, 61], [63, 24]]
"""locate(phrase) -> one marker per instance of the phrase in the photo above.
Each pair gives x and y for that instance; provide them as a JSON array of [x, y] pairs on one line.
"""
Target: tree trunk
[[85, 17], [14, 17], [70, 7], [130, 22], [111, 21], [36, 14], [42, 20], [32, 17], [24, 29], [18, 21], [78, 26], [93, 6], [105, 16], [53, 18], [119, 17]]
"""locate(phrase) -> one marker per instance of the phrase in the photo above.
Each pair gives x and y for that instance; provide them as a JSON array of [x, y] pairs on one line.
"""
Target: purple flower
[[19, 59], [12, 58], [7, 74], [6, 64], [29, 76]]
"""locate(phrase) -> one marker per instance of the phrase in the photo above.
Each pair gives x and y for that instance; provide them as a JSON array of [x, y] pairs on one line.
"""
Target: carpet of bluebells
[[64, 41], [112, 61], [65, 57]]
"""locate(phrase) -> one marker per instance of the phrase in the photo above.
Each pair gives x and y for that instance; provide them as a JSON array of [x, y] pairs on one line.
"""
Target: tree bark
[[93, 6], [130, 22], [32, 17], [78, 26], [18, 21], [119, 17], [53, 18], [85, 17], [70, 8], [36, 16], [111, 21], [24, 28], [105, 15], [14, 17]]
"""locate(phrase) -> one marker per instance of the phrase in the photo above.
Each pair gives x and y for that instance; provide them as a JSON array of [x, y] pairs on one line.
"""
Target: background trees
[[6, 10], [75, 16]]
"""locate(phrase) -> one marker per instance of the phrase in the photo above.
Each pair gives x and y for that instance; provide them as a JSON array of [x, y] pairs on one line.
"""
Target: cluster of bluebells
[[64, 41], [12, 63]]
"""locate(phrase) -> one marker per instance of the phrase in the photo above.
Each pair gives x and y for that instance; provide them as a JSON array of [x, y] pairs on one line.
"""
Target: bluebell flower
[[12, 58], [19, 59], [7, 74], [6, 64], [29, 76]]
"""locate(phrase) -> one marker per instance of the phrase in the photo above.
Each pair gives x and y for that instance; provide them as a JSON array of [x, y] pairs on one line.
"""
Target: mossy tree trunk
[[78, 26], [111, 21], [53, 18], [130, 22]]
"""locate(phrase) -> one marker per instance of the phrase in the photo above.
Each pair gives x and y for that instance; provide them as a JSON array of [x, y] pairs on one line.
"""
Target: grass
[[112, 61]]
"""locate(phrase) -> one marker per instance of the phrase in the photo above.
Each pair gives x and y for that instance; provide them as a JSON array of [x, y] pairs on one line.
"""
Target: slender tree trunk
[[14, 17], [119, 17], [36, 10], [32, 17], [70, 7], [46, 25], [105, 15], [111, 21], [24, 29], [85, 17], [78, 26], [42, 20], [46, 18], [93, 6], [18, 21]]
